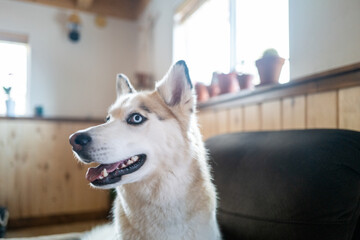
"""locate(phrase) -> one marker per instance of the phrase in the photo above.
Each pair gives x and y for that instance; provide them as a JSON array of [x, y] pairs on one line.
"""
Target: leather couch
[[297, 184]]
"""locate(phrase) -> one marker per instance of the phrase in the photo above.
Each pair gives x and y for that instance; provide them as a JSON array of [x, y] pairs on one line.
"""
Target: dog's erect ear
[[176, 86], [123, 85]]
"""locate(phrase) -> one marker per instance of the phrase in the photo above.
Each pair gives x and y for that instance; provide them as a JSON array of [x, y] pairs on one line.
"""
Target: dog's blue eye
[[136, 119]]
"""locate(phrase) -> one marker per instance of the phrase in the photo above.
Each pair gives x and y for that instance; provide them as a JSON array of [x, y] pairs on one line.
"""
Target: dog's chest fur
[[176, 205]]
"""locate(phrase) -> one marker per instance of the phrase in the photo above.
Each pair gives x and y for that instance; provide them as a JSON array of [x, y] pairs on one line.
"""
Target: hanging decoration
[[100, 21], [74, 26]]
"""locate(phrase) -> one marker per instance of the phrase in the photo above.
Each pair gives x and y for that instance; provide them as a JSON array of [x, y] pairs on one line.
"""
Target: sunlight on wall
[[13, 73]]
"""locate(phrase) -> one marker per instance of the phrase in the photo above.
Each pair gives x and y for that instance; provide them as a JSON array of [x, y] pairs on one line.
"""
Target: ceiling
[[123, 9]]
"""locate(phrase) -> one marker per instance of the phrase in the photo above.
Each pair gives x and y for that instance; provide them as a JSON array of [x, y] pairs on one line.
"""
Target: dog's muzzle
[[104, 174]]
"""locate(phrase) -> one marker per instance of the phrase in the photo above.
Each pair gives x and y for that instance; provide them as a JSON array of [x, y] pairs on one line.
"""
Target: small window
[[14, 71]]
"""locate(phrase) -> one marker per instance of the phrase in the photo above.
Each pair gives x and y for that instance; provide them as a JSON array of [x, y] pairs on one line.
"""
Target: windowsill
[[334, 79]]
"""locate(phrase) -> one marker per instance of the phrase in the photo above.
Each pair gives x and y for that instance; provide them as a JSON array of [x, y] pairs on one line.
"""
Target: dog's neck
[[167, 200]]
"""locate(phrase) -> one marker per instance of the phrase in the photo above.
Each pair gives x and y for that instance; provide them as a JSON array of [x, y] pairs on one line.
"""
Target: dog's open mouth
[[111, 173]]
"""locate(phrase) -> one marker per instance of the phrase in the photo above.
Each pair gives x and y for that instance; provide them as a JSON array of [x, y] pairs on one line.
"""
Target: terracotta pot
[[202, 92], [228, 83], [245, 81], [269, 69], [213, 89]]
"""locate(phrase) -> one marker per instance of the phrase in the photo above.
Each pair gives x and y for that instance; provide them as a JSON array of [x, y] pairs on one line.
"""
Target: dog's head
[[144, 133]]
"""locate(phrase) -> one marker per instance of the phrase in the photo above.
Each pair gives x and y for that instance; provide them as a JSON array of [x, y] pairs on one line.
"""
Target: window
[[13, 72], [203, 40], [227, 35]]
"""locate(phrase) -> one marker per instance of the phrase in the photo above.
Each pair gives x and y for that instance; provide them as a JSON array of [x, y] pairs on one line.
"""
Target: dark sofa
[[298, 184]]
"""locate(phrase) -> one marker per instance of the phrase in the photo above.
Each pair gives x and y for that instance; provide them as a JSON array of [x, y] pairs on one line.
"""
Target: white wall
[[324, 34], [155, 42], [71, 79]]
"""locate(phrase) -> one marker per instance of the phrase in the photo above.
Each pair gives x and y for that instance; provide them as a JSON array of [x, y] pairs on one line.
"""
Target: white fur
[[101, 232]]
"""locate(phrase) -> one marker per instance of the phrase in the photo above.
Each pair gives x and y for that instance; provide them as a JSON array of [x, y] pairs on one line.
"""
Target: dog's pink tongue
[[94, 173]]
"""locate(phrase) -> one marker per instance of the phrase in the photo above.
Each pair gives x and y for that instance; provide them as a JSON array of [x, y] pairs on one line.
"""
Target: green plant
[[7, 90], [271, 52]]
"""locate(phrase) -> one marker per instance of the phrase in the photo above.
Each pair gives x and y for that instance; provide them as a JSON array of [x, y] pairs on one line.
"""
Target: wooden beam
[[123, 9], [71, 4], [84, 4], [141, 6]]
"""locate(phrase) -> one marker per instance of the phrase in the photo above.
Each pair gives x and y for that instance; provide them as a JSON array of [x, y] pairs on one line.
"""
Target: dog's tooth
[[123, 165], [101, 177], [130, 162], [134, 158], [105, 173]]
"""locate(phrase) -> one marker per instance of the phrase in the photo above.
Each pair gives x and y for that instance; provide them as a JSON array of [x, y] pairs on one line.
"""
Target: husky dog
[[150, 149]]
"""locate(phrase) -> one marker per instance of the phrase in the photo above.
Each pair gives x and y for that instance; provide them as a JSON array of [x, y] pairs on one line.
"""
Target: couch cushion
[[299, 184]]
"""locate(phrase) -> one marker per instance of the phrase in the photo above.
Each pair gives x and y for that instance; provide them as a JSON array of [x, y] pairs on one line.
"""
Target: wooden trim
[[344, 77], [187, 8], [54, 119], [331, 72], [57, 219]]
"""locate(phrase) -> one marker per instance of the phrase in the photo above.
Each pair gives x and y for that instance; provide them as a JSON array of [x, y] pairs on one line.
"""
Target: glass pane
[[203, 40], [261, 24]]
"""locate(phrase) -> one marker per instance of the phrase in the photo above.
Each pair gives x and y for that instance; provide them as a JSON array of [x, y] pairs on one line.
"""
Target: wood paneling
[[349, 108], [38, 173], [252, 118], [207, 123], [271, 115], [293, 113], [236, 121], [222, 121], [321, 110]]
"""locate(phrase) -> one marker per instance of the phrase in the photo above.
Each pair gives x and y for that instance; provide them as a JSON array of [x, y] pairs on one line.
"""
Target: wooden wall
[[329, 109], [39, 175]]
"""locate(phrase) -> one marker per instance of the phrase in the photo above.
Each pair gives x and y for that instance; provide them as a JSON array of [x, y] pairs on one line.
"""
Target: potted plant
[[213, 88], [245, 81], [228, 83], [202, 92], [10, 103], [269, 67]]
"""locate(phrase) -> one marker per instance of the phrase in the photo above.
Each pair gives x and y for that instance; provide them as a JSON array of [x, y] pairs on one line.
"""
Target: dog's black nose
[[82, 139], [79, 141]]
